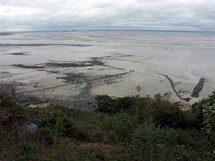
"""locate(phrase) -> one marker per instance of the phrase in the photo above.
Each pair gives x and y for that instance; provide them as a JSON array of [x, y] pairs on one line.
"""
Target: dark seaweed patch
[[93, 62], [18, 53], [28, 66], [38, 45]]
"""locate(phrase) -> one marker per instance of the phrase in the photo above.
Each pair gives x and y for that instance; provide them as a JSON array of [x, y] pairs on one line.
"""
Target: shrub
[[91, 154], [173, 144], [120, 127], [152, 143], [109, 105], [200, 106], [104, 104], [210, 100], [163, 113], [46, 135], [24, 151], [209, 119], [10, 111], [122, 103], [59, 120], [61, 152]]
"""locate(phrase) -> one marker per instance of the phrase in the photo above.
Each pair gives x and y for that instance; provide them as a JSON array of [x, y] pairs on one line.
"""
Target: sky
[[43, 15]]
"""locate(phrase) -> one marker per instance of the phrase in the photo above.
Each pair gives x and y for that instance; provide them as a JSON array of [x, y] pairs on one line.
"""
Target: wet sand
[[72, 70]]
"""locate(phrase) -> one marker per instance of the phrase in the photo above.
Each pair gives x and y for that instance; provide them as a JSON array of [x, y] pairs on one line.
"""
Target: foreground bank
[[129, 128]]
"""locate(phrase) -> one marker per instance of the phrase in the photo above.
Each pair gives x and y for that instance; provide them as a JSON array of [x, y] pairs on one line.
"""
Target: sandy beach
[[72, 68]]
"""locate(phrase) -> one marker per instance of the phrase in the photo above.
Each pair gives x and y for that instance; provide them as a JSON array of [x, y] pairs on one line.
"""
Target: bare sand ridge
[[72, 68]]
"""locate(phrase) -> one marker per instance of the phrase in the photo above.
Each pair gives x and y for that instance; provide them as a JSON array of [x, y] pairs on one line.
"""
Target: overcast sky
[[30, 15]]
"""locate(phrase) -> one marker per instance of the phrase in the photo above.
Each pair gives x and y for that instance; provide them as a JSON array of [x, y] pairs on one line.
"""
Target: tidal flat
[[73, 67]]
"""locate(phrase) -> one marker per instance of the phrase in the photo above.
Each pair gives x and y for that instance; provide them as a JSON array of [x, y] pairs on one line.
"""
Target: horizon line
[[77, 30]]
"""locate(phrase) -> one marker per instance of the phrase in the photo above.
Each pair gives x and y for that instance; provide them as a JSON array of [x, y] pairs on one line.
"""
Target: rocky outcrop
[[198, 88]]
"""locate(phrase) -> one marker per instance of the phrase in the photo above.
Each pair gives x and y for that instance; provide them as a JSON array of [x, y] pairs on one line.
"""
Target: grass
[[130, 128]]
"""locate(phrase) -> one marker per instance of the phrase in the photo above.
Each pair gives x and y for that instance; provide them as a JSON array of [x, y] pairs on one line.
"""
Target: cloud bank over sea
[[25, 15]]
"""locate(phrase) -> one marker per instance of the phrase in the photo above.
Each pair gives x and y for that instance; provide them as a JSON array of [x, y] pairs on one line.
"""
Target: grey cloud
[[111, 14]]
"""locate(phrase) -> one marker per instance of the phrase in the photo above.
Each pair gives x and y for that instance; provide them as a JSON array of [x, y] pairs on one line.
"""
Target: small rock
[[27, 104], [138, 88], [89, 103], [195, 104], [187, 99], [23, 100]]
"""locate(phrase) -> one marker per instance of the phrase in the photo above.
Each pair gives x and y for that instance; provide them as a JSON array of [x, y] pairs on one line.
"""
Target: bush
[[59, 120], [61, 152], [24, 151], [46, 135], [206, 115], [109, 105], [10, 111], [150, 143], [163, 113], [91, 154], [210, 100], [209, 119], [104, 104], [120, 127]]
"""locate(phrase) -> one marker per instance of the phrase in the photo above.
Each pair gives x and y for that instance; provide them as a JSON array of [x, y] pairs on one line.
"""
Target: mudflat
[[72, 68]]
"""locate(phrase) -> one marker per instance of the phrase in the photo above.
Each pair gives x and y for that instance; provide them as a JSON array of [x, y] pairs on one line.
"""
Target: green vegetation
[[209, 119], [130, 128]]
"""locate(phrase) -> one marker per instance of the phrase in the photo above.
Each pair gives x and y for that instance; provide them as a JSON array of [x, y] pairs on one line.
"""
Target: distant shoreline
[[108, 30]]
